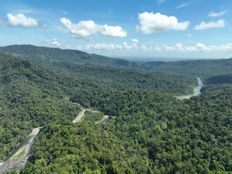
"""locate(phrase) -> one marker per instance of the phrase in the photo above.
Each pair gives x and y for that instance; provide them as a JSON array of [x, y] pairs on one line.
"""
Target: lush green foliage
[[220, 79], [155, 134], [29, 97], [33, 96], [148, 131], [105, 72], [196, 68]]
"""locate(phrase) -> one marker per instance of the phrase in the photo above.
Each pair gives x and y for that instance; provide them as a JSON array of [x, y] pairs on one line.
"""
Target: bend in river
[[196, 91]]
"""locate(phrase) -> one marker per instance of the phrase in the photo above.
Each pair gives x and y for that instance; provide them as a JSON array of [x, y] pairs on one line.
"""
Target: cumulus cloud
[[178, 48], [114, 31], [210, 25], [201, 47], [157, 22], [54, 42], [217, 14], [89, 28], [21, 20]]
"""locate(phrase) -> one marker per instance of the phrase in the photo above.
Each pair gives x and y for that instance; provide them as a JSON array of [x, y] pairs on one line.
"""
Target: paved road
[[19, 159], [79, 116], [82, 114], [105, 117]]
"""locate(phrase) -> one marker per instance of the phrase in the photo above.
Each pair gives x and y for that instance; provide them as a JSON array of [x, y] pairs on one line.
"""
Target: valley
[[101, 115], [116, 87], [196, 91]]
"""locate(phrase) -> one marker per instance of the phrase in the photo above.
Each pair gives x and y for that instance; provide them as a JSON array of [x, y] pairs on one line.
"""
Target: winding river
[[196, 91]]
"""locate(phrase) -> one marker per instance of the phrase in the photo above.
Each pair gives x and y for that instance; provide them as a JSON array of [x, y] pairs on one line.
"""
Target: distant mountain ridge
[[110, 71], [41, 54], [70, 58]]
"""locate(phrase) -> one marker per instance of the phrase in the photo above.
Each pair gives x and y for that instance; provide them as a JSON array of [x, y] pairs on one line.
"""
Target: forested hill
[[200, 68], [74, 60], [148, 130], [30, 96], [46, 55], [220, 79], [102, 70], [33, 95]]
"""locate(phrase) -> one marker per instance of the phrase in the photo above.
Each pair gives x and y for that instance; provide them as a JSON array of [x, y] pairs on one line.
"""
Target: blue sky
[[119, 28]]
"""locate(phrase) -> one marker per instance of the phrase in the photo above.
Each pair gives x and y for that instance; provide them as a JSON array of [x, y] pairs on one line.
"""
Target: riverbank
[[196, 91]]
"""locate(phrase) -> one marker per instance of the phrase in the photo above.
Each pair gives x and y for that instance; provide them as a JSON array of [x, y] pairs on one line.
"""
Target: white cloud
[[54, 42], [103, 46], [178, 48], [182, 5], [133, 40], [217, 14], [89, 28], [21, 20], [114, 31], [210, 25], [201, 47], [157, 22], [82, 29]]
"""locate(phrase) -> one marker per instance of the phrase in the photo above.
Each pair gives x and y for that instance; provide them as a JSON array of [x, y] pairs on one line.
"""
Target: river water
[[196, 91]]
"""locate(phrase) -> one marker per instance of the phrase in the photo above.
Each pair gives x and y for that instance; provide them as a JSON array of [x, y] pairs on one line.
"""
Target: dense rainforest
[[69, 59], [32, 95], [156, 134], [148, 130], [220, 79]]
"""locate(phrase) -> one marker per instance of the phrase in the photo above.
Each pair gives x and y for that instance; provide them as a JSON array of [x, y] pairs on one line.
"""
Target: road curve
[[19, 159], [82, 114], [79, 116], [105, 117]]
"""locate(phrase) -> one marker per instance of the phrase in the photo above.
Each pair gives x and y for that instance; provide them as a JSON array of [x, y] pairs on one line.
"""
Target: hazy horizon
[[161, 28]]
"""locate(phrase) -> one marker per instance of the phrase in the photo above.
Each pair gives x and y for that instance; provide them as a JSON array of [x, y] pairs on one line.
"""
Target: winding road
[[82, 114], [79, 116], [105, 117], [196, 91], [19, 159]]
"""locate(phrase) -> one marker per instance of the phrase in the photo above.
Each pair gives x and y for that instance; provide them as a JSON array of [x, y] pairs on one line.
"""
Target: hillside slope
[[30, 96], [148, 129], [220, 79], [196, 68], [48, 55], [75, 60], [113, 73]]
